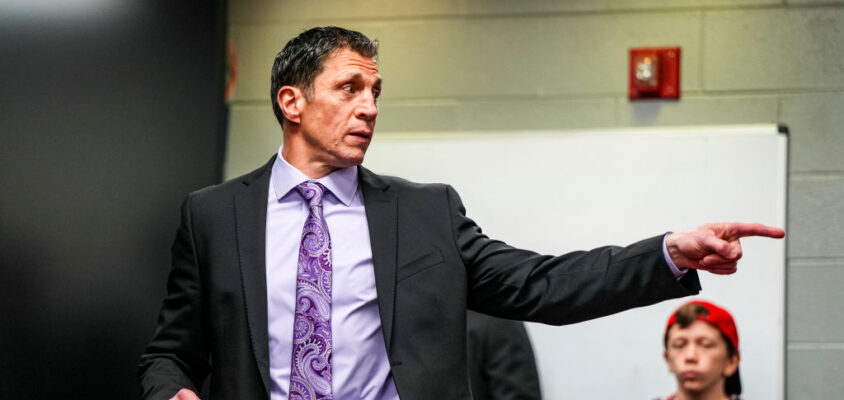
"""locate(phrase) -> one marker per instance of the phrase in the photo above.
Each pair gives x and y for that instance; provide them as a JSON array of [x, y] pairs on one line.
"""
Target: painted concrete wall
[[543, 64]]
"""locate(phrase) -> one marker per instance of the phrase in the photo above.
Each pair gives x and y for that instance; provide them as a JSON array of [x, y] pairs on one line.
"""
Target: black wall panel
[[111, 112]]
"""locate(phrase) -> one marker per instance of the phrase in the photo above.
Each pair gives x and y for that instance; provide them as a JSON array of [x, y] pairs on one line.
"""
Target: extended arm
[[512, 283]]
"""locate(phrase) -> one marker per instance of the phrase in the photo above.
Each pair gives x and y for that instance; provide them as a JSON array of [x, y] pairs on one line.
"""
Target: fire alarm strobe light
[[654, 73]]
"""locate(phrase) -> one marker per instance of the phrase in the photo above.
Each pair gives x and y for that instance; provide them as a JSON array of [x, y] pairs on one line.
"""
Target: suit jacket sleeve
[[518, 284], [177, 356]]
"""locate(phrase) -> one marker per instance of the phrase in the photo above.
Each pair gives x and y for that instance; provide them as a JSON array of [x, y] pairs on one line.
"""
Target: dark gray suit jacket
[[431, 264]]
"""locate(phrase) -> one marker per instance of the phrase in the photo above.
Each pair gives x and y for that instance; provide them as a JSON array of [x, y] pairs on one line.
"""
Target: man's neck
[[311, 168]]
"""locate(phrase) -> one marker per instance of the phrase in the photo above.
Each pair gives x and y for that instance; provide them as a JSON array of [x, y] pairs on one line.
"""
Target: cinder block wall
[[543, 64]]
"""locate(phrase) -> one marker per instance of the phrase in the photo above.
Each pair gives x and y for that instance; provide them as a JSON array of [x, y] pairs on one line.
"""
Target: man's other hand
[[185, 394], [714, 247]]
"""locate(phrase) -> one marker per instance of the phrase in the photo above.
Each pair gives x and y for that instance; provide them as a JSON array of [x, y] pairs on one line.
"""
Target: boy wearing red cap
[[701, 349]]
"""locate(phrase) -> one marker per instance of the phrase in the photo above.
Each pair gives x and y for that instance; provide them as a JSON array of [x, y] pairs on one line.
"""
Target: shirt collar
[[342, 183]]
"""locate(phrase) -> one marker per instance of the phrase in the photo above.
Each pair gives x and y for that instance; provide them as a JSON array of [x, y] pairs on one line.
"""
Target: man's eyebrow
[[358, 76], [355, 75]]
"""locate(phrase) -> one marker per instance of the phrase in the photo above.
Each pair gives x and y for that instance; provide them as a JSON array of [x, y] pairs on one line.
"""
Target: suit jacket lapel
[[382, 217], [251, 219]]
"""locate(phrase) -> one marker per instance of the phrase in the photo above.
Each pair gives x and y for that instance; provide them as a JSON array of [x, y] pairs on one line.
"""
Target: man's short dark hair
[[303, 57]]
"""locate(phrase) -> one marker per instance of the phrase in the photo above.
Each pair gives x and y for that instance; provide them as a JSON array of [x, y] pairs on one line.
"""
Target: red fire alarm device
[[654, 73]]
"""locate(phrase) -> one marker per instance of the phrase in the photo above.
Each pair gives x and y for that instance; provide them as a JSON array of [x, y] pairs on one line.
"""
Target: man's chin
[[693, 386], [350, 161]]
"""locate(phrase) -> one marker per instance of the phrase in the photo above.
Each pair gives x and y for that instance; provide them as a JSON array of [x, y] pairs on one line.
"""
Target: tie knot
[[312, 192]]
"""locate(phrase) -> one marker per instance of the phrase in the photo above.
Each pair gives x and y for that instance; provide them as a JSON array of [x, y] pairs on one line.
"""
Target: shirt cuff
[[678, 272]]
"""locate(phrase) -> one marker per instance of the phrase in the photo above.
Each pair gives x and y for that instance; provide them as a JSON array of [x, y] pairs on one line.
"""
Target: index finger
[[741, 229]]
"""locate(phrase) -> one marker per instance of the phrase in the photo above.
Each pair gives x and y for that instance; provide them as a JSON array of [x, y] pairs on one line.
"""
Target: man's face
[[697, 356], [338, 121]]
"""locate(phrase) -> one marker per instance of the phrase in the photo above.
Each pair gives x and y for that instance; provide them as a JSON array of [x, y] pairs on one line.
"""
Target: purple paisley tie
[[310, 374]]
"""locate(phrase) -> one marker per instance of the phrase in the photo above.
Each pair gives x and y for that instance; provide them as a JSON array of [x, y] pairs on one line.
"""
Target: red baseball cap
[[718, 317]]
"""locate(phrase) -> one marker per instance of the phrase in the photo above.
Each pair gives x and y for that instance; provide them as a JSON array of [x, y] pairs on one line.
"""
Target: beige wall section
[[254, 136], [817, 130], [774, 49], [542, 64]]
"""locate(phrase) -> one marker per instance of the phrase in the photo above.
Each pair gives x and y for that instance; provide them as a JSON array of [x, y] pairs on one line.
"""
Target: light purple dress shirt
[[360, 367], [677, 271]]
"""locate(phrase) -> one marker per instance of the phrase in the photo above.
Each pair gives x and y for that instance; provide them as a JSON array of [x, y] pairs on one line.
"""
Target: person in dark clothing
[[501, 361]]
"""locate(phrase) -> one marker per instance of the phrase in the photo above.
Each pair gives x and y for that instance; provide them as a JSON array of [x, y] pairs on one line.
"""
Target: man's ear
[[290, 100], [732, 365]]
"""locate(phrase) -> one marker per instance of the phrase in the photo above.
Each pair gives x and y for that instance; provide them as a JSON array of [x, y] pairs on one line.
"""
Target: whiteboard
[[616, 186]]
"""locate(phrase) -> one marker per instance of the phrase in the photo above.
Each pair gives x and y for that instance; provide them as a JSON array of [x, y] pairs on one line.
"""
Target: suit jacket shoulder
[[399, 186], [225, 190]]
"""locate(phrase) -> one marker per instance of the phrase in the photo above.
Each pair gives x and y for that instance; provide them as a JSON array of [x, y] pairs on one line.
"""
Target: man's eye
[[349, 88]]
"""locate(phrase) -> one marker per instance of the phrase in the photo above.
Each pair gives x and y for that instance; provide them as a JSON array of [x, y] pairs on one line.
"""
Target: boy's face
[[697, 355]]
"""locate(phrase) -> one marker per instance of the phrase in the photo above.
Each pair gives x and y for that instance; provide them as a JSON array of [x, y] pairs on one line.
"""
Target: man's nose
[[367, 108], [690, 353]]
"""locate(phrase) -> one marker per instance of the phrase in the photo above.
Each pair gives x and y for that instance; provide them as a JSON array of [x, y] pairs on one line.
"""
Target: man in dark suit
[[315, 278], [501, 361]]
